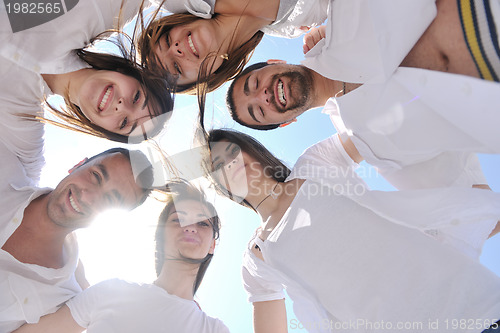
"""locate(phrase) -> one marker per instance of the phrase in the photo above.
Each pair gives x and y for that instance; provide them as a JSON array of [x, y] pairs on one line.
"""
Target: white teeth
[[105, 98], [191, 45], [73, 204], [281, 93]]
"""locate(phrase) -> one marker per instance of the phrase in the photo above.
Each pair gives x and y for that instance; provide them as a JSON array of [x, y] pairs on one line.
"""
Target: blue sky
[[120, 244]]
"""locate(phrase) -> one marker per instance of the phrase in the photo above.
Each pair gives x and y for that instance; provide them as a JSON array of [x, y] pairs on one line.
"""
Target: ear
[[288, 122], [276, 61], [212, 248], [79, 164]]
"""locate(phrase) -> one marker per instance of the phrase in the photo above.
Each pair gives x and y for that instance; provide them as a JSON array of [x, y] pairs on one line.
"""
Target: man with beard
[[39, 252], [418, 133]]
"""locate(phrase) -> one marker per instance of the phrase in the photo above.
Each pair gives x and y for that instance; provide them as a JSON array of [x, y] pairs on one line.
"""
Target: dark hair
[[181, 191], [144, 178], [272, 165], [230, 99]]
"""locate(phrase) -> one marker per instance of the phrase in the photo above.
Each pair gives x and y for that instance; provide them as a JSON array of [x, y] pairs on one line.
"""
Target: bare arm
[[60, 321], [270, 317]]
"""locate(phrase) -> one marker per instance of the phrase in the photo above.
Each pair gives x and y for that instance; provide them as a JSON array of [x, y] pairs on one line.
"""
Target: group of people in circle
[[383, 70]]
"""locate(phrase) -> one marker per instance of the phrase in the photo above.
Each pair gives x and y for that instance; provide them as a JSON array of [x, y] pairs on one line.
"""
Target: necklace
[[272, 195], [343, 88]]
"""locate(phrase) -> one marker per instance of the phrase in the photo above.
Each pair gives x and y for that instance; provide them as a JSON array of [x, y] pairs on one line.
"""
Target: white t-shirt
[[28, 291], [47, 48], [418, 129], [347, 265], [292, 14], [117, 306]]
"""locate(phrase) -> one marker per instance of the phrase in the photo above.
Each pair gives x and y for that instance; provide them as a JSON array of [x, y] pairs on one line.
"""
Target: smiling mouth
[[73, 203], [191, 45], [281, 93], [105, 98]]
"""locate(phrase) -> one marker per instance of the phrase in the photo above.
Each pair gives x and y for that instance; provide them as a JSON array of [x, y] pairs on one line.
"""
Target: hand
[[313, 37]]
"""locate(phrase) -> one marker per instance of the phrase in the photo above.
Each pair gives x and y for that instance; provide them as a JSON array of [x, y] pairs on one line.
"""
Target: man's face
[[105, 182], [274, 94]]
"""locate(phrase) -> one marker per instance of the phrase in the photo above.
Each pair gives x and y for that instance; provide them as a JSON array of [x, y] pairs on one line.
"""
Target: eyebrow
[[246, 90], [104, 171], [250, 111]]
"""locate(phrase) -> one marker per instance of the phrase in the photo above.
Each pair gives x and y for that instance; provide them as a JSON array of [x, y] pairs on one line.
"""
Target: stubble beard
[[300, 84]]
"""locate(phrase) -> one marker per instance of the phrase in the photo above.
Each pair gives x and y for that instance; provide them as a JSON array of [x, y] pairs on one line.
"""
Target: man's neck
[[37, 240], [324, 88]]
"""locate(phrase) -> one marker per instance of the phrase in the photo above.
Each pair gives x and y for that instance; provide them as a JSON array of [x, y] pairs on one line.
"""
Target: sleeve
[[200, 8], [89, 302], [294, 14], [327, 162], [259, 280], [367, 40]]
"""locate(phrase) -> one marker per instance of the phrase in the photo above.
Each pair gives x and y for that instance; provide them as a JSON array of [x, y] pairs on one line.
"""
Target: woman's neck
[[234, 31], [177, 278], [274, 199]]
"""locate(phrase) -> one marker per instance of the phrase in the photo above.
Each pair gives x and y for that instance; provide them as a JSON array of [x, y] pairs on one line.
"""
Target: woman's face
[[234, 169], [183, 49], [113, 101], [188, 231]]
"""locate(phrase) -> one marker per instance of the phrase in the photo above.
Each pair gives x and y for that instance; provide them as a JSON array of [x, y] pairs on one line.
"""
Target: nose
[[176, 50], [191, 228], [262, 95], [122, 106], [231, 163]]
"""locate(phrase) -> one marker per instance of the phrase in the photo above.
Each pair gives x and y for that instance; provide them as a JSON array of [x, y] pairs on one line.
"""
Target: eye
[[167, 39], [97, 177], [177, 69], [235, 151], [137, 96], [203, 224], [124, 123]]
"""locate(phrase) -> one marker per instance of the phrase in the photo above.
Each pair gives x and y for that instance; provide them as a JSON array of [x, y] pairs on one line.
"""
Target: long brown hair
[[181, 191]]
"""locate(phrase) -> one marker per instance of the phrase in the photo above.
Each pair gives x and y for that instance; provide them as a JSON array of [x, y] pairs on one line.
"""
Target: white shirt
[[48, 48], [117, 306], [292, 14], [367, 40], [348, 261], [28, 291], [22, 93], [418, 128]]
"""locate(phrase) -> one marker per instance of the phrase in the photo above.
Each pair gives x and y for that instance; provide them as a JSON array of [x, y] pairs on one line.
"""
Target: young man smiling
[[39, 253]]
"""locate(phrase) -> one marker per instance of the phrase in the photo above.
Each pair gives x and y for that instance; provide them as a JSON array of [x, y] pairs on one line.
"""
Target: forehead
[[189, 206], [222, 147]]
